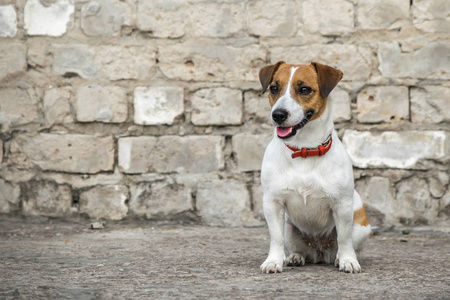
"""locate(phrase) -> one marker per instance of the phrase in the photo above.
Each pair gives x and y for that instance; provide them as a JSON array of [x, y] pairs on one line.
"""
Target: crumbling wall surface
[[153, 109]]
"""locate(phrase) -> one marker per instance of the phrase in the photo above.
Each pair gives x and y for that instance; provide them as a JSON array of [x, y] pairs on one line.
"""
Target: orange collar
[[319, 151]]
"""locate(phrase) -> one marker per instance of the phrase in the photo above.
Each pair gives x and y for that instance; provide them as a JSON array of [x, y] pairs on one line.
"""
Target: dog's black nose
[[279, 116]]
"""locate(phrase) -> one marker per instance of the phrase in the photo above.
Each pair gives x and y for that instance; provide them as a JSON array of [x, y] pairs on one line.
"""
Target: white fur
[[309, 195]]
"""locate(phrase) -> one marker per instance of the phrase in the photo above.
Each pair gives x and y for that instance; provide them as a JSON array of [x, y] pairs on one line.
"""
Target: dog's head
[[297, 93]]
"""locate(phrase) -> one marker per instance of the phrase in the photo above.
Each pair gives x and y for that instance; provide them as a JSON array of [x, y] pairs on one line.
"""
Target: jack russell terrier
[[311, 207]]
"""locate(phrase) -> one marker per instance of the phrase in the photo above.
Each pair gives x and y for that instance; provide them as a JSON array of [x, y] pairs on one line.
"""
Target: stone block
[[317, 16], [217, 106], [429, 62], [9, 197], [8, 21], [160, 200], [95, 103], [105, 17], [257, 106], [413, 204], [438, 184], [216, 19], [46, 198], [13, 60], [208, 61], [157, 105], [340, 105], [249, 150], [383, 104], [352, 60], [110, 62], [430, 104], [52, 18], [403, 149], [190, 154], [376, 191], [72, 153], [17, 107], [163, 18], [272, 18], [383, 14], [105, 202], [57, 106], [74, 59], [431, 15], [223, 203], [125, 62]]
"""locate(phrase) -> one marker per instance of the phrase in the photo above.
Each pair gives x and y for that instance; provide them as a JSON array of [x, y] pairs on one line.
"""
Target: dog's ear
[[327, 78], [266, 74]]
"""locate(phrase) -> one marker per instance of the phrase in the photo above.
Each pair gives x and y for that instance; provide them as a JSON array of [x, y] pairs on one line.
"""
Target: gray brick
[[52, 18], [217, 19], [317, 16], [224, 203], [95, 103], [257, 106], [262, 21], [72, 153], [78, 59], [383, 104], [157, 105], [340, 103], [57, 106], [430, 104], [105, 17], [17, 107], [105, 202], [125, 62], [45, 198], [12, 60], [383, 14], [430, 61], [190, 154], [249, 151], [8, 21], [160, 200], [163, 18], [207, 61], [217, 106], [390, 149], [431, 15], [9, 196]]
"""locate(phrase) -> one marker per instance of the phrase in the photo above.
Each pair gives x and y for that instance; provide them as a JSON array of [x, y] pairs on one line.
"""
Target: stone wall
[[132, 108]]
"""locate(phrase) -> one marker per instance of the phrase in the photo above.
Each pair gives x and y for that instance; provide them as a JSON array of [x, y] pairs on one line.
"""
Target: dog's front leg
[[346, 256], [274, 213]]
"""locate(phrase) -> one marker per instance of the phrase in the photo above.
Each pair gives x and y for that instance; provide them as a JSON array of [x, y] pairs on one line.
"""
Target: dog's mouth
[[287, 132]]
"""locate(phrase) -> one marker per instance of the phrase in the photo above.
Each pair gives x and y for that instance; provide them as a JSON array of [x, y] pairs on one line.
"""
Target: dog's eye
[[305, 90], [273, 89]]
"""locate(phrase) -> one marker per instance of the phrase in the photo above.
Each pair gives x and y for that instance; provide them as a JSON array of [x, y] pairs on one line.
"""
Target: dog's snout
[[279, 116]]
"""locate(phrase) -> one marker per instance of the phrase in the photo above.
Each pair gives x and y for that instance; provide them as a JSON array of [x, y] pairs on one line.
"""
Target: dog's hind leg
[[294, 244]]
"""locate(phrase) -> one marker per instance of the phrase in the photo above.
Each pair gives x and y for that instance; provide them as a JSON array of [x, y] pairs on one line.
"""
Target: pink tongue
[[283, 131]]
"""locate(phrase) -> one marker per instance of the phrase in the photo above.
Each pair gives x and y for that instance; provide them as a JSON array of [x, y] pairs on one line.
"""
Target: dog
[[311, 207]]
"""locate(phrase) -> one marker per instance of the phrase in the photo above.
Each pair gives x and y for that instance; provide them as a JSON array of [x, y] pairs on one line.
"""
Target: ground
[[54, 259]]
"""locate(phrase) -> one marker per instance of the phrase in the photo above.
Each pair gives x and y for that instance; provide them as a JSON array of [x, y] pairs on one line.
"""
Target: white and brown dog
[[311, 207]]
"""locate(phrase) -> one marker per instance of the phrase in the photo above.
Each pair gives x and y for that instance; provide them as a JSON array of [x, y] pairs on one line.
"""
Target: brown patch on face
[[304, 88], [304, 79], [360, 217]]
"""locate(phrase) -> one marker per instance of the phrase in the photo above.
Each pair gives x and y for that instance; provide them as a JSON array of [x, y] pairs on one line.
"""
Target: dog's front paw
[[295, 259], [348, 264], [272, 266]]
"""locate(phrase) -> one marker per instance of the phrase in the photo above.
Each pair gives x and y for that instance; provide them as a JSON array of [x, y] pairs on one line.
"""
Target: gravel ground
[[53, 259]]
